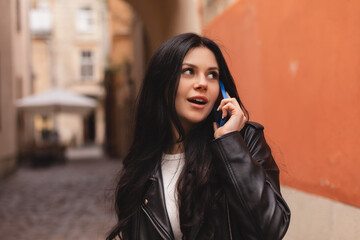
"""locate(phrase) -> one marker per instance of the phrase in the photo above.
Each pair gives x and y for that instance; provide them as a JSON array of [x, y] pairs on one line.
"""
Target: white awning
[[56, 100]]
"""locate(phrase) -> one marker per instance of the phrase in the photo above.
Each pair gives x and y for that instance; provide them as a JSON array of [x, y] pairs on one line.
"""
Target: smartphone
[[218, 114]]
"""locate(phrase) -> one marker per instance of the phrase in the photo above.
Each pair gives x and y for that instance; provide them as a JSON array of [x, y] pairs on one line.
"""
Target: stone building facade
[[70, 46], [15, 75]]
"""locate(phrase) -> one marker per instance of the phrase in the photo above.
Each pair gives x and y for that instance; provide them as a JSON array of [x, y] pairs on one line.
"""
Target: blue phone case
[[223, 92]]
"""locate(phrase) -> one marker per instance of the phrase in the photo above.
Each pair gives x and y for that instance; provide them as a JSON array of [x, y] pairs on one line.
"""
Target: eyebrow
[[194, 66]]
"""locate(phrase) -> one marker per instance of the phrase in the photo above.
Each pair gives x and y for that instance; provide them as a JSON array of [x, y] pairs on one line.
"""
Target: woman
[[186, 177]]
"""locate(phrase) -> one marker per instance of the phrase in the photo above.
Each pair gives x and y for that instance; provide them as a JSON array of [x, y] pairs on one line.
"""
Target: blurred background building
[[15, 75], [295, 64], [70, 45]]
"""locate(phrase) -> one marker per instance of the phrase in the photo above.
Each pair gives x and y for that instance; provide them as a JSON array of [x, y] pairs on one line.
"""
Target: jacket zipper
[[154, 224]]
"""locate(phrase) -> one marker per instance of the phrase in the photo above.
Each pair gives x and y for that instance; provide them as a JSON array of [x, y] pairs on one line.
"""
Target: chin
[[196, 120], [193, 118]]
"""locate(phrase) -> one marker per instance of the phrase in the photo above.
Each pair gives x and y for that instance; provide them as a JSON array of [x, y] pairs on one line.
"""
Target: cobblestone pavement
[[71, 201]]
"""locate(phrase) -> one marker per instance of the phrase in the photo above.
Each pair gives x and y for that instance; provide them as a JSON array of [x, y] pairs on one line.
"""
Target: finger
[[228, 95], [229, 107], [225, 101], [224, 112]]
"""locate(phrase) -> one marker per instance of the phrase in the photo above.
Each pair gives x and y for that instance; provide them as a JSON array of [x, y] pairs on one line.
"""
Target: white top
[[171, 166]]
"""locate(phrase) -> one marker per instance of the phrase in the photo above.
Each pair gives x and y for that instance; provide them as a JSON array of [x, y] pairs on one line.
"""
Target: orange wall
[[297, 68]]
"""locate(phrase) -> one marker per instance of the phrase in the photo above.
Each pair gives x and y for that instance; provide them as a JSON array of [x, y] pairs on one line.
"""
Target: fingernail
[[218, 108]]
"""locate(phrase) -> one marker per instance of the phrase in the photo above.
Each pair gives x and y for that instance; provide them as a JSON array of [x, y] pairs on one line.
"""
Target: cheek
[[182, 88], [214, 94], [180, 96]]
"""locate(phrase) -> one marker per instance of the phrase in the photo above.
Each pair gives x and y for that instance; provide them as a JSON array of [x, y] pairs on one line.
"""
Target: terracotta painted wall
[[297, 69]]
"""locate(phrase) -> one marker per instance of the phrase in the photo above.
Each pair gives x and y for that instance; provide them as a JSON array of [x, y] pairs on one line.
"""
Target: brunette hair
[[153, 133]]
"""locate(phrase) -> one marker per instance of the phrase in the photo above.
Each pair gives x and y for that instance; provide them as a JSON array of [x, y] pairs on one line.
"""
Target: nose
[[201, 83]]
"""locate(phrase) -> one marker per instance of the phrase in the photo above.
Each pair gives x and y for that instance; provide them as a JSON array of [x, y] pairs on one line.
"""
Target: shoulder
[[254, 125], [252, 131]]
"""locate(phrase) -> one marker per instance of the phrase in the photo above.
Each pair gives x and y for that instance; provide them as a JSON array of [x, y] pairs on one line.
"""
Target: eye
[[187, 71], [213, 75]]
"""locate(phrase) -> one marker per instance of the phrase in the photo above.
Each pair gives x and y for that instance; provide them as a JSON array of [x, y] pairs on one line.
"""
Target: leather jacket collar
[[154, 203], [155, 208]]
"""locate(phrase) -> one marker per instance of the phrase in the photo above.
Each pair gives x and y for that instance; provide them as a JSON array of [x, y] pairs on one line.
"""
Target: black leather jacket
[[251, 205]]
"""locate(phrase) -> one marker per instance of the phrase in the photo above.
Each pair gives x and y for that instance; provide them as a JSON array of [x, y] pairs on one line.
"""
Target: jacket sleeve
[[250, 178]]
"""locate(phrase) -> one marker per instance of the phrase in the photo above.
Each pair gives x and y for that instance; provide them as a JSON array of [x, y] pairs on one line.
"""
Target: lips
[[199, 100]]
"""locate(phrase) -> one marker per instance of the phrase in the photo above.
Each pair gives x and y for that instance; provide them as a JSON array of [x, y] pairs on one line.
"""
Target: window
[[85, 22], [87, 65]]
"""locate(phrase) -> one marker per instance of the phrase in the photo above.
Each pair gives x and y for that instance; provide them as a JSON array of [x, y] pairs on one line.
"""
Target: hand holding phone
[[224, 95], [218, 114], [233, 115]]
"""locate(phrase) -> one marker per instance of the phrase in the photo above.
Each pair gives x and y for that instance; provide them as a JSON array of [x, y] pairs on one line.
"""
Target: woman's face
[[198, 87]]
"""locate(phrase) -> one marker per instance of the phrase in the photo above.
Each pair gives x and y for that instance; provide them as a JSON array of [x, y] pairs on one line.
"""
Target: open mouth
[[200, 101]]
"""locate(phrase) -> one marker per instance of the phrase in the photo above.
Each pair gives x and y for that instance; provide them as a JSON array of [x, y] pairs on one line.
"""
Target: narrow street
[[71, 201]]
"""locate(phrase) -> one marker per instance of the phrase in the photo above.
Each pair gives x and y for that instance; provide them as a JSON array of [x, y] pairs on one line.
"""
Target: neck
[[176, 147]]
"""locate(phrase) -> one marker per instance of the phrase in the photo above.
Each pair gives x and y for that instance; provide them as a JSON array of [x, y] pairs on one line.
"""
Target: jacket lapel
[[154, 203]]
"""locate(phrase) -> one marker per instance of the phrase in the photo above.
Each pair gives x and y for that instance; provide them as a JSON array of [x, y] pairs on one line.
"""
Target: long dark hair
[[153, 133]]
